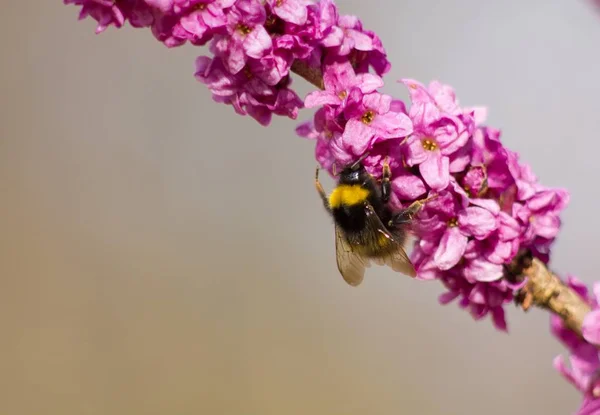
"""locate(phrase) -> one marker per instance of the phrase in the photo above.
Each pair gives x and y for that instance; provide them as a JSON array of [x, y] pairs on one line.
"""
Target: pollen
[[271, 20], [244, 29], [200, 6], [429, 144], [453, 223], [367, 117], [279, 3], [343, 94], [248, 73], [382, 240]]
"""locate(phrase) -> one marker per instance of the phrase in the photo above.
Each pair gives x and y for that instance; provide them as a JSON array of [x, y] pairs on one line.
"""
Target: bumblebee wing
[[396, 259], [350, 264]]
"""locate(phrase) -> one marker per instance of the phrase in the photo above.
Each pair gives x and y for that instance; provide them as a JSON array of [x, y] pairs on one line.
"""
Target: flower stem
[[547, 291], [310, 73]]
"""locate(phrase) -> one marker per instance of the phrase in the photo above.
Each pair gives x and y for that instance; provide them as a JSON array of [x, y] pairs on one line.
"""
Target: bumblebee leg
[[386, 186], [321, 191], [406, 215]]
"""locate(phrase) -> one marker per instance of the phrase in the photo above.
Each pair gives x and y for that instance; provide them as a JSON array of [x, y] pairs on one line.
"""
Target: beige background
[[151, 262]]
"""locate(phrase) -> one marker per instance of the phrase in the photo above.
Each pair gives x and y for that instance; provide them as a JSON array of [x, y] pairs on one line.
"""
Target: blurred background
[[161, 255]]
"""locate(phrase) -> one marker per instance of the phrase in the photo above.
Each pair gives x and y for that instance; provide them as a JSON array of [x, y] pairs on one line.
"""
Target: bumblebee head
[[354, 173]]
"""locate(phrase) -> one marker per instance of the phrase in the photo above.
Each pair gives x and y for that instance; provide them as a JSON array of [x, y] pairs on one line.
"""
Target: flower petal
[[477, 222], [501, 252], [591, 327], [333, 38], [357, 136], [320, 98], [478, 294], [499, 319], [546, 226], [435, 171], [392, 125], [423, 115], [307, 130], [407, 186], [451, 249], [445, 298], [368, 82], [380, 103], [257, 43], [428, 271], [489, 204], [415, 153], [417, 91], [508, 227], [361, 40], [596, 290], [291, 11], [479, 269]]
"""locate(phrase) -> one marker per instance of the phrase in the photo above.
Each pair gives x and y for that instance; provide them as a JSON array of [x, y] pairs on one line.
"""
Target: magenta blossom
[[437, 135], [348, 35], [246, 36], [584, 371], [293, 11], [109, 12], [487, 205], [345, 36], [371, 118], [246, 93], [446, 224], [200, 20], [339, 79], [479, 298]]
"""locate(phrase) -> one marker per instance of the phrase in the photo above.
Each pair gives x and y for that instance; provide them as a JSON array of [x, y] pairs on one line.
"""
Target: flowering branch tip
[[488, 228]]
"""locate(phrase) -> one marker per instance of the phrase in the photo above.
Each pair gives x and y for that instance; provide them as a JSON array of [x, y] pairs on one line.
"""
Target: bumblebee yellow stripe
[[347, 195]]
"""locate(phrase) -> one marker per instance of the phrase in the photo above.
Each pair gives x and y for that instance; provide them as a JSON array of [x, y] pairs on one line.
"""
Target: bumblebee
[[366, 228]]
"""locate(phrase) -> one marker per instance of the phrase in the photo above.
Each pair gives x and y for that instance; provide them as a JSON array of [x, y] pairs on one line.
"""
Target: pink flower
[[246, 36], [164, 6], [437, 135], [347, 35], [540, 214], [293, 11], [479, 298], [370, 119], [447, 222], [375, 58], [590, 406], [584, 371], [246, 93], [109, 12], [339, 78], [201, 19]]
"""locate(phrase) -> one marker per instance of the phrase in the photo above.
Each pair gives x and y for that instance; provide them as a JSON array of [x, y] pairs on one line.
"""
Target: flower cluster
[[110, 12], [488, 205], [254, 43], [484, 206], [584, 357]]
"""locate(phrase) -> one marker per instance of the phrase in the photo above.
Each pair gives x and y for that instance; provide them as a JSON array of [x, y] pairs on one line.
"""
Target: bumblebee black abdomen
[[350, 218]]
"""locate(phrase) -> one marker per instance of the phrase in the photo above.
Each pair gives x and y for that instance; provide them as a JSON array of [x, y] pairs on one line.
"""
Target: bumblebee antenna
[[357, 162]]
